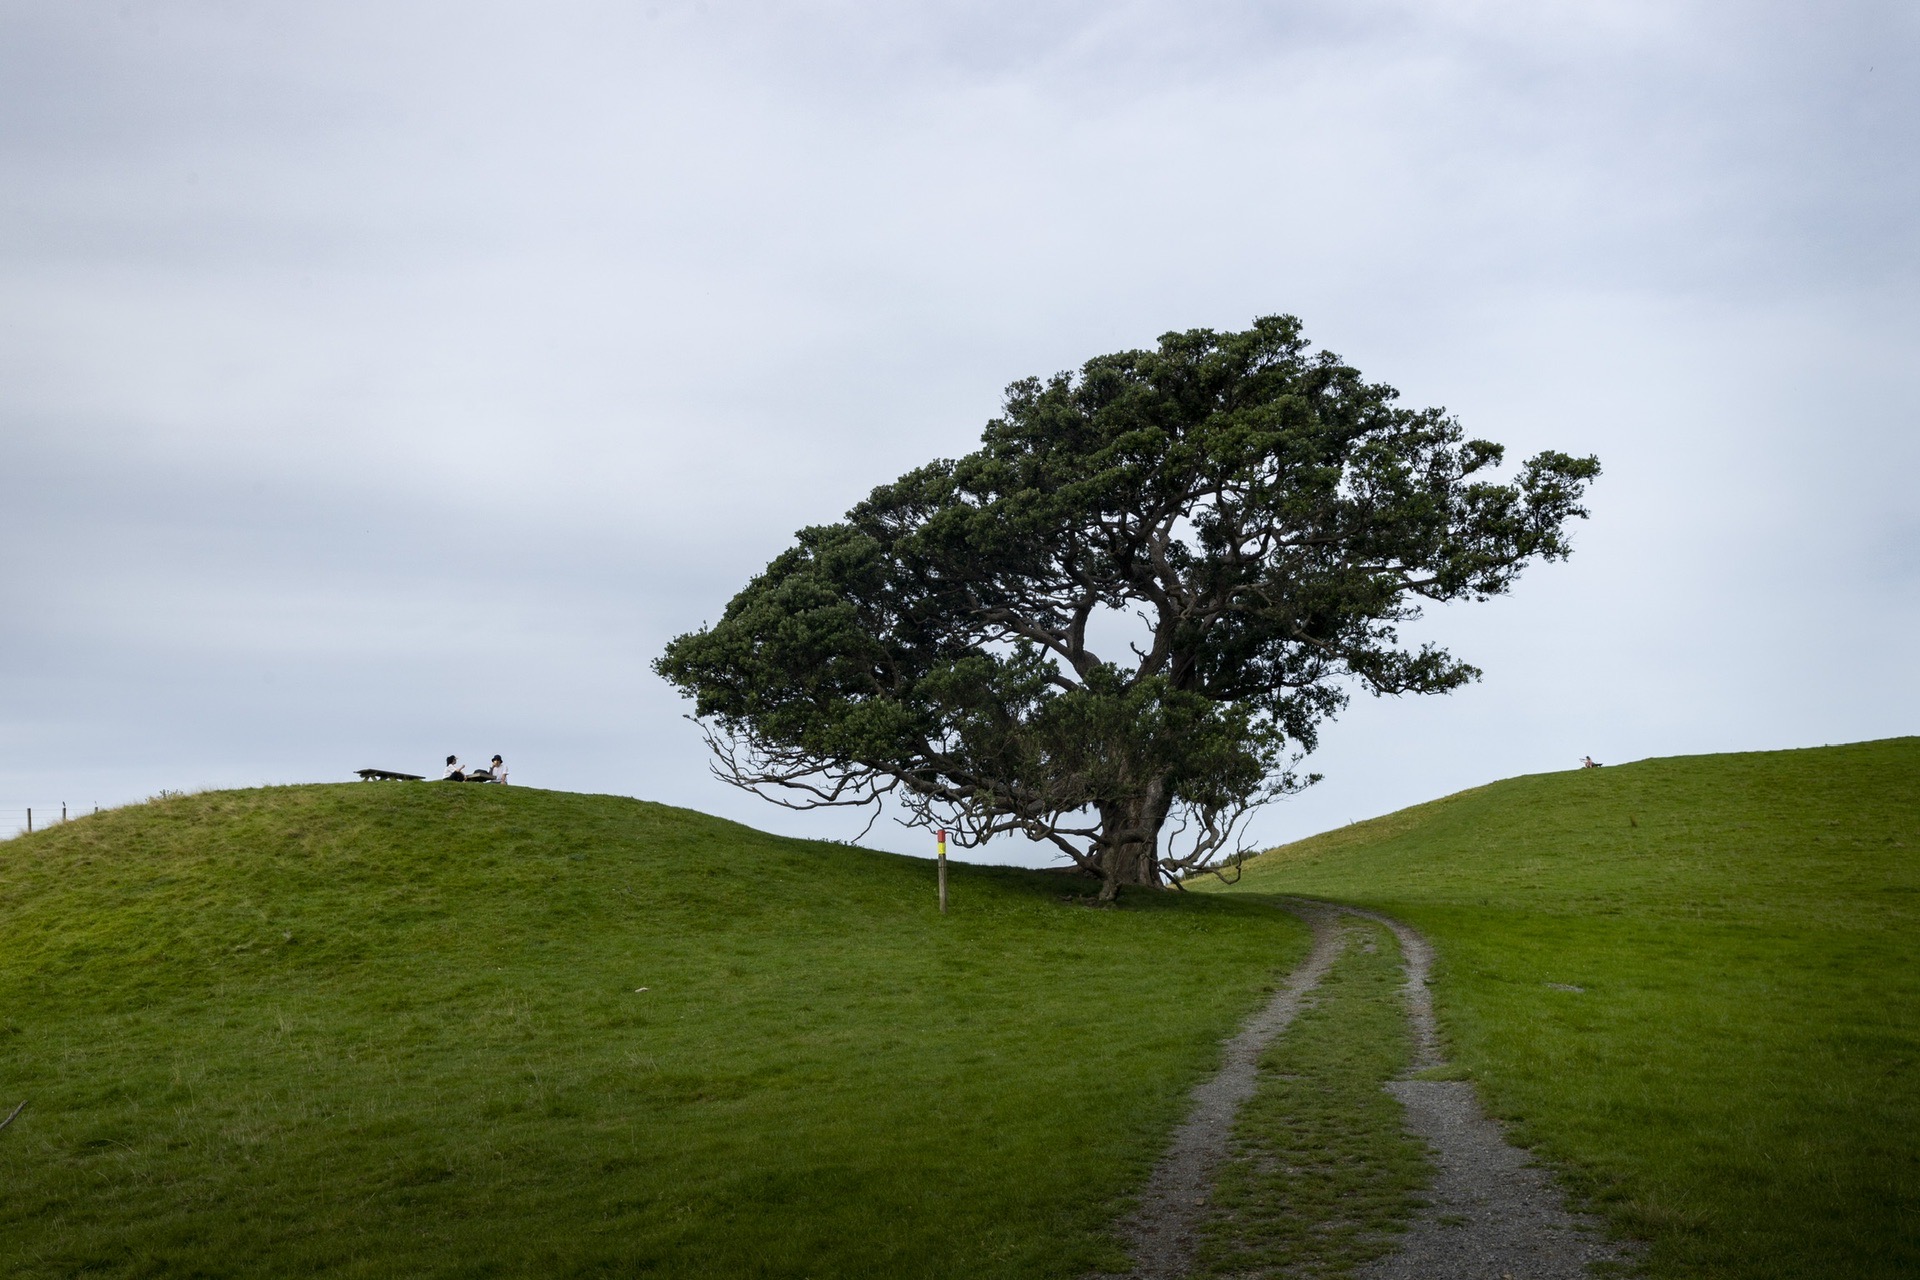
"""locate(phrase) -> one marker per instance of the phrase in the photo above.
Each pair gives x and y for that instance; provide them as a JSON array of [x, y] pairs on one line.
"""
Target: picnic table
[[387, 775]]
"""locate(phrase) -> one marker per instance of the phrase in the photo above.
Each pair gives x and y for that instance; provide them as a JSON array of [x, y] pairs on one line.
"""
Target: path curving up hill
[[1490, 1211]]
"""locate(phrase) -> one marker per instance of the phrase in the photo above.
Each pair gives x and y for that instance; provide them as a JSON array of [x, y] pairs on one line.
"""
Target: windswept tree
[[1117, 626]]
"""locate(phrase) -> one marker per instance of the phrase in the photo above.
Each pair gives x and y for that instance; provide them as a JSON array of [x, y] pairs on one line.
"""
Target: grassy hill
[[1695, 982], [394, 1029]]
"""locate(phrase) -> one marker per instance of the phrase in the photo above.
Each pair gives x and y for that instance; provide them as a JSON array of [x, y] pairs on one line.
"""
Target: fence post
[[63, 811], [29, 819]]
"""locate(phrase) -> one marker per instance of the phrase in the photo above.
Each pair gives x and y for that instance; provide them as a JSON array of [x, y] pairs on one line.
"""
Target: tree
[[1118, 625]]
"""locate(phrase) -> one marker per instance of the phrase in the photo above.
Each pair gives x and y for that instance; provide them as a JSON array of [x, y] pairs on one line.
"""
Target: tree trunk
[[1130, 842]]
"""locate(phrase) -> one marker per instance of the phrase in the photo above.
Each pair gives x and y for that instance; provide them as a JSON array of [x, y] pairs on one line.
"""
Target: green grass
[[392, 1029], [1737, 1077], [1322, 1173]]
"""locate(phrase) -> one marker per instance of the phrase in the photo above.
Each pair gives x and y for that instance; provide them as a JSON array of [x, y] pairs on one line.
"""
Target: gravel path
[[1491, 1214], [1160, 1232]]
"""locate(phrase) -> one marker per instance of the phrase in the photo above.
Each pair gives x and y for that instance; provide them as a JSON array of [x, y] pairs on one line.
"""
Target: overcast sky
[[379, 381]]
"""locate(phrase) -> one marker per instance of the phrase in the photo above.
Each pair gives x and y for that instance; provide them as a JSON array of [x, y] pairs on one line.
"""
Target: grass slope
[[1737, 1076], [393, 1030]]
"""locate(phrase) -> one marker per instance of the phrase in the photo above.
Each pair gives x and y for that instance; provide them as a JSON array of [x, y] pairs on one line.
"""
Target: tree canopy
[[1119, 623]]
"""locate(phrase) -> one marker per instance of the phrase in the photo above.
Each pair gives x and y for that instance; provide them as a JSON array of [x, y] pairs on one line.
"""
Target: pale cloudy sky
[[384, 380]]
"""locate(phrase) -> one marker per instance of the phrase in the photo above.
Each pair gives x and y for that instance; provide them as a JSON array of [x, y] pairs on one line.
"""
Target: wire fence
[[25, 818]]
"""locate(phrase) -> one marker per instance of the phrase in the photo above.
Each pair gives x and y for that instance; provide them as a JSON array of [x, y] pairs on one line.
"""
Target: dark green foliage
[[1261, 517], [1690, 982], [1323, 1173], [391, 1030]]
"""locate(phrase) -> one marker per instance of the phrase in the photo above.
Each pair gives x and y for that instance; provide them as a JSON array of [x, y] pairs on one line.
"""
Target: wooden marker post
[[942, 834]]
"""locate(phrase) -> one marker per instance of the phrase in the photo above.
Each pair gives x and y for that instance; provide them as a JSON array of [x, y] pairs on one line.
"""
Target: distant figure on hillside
[[498, 772], [454, 772], [1588, 762]]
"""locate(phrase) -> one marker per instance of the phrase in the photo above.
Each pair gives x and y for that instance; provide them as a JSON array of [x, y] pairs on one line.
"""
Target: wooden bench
[[387, 775]]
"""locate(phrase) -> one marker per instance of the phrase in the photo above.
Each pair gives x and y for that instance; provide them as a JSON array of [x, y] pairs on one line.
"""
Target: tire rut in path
[[1160, 1232], [1491, 1213]]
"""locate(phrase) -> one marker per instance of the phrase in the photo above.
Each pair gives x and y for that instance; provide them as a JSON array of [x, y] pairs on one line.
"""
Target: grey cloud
[[377, 381]]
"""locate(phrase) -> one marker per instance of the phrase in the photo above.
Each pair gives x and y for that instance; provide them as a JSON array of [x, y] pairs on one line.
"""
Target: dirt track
[[1491, 1213]]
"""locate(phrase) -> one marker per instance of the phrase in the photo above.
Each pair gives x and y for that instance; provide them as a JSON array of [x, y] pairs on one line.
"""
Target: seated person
[[454, 772], [497, 772]]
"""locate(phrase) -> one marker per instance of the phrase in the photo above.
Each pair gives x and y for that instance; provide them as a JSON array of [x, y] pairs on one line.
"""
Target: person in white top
[[499, 771], [454, 772]]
